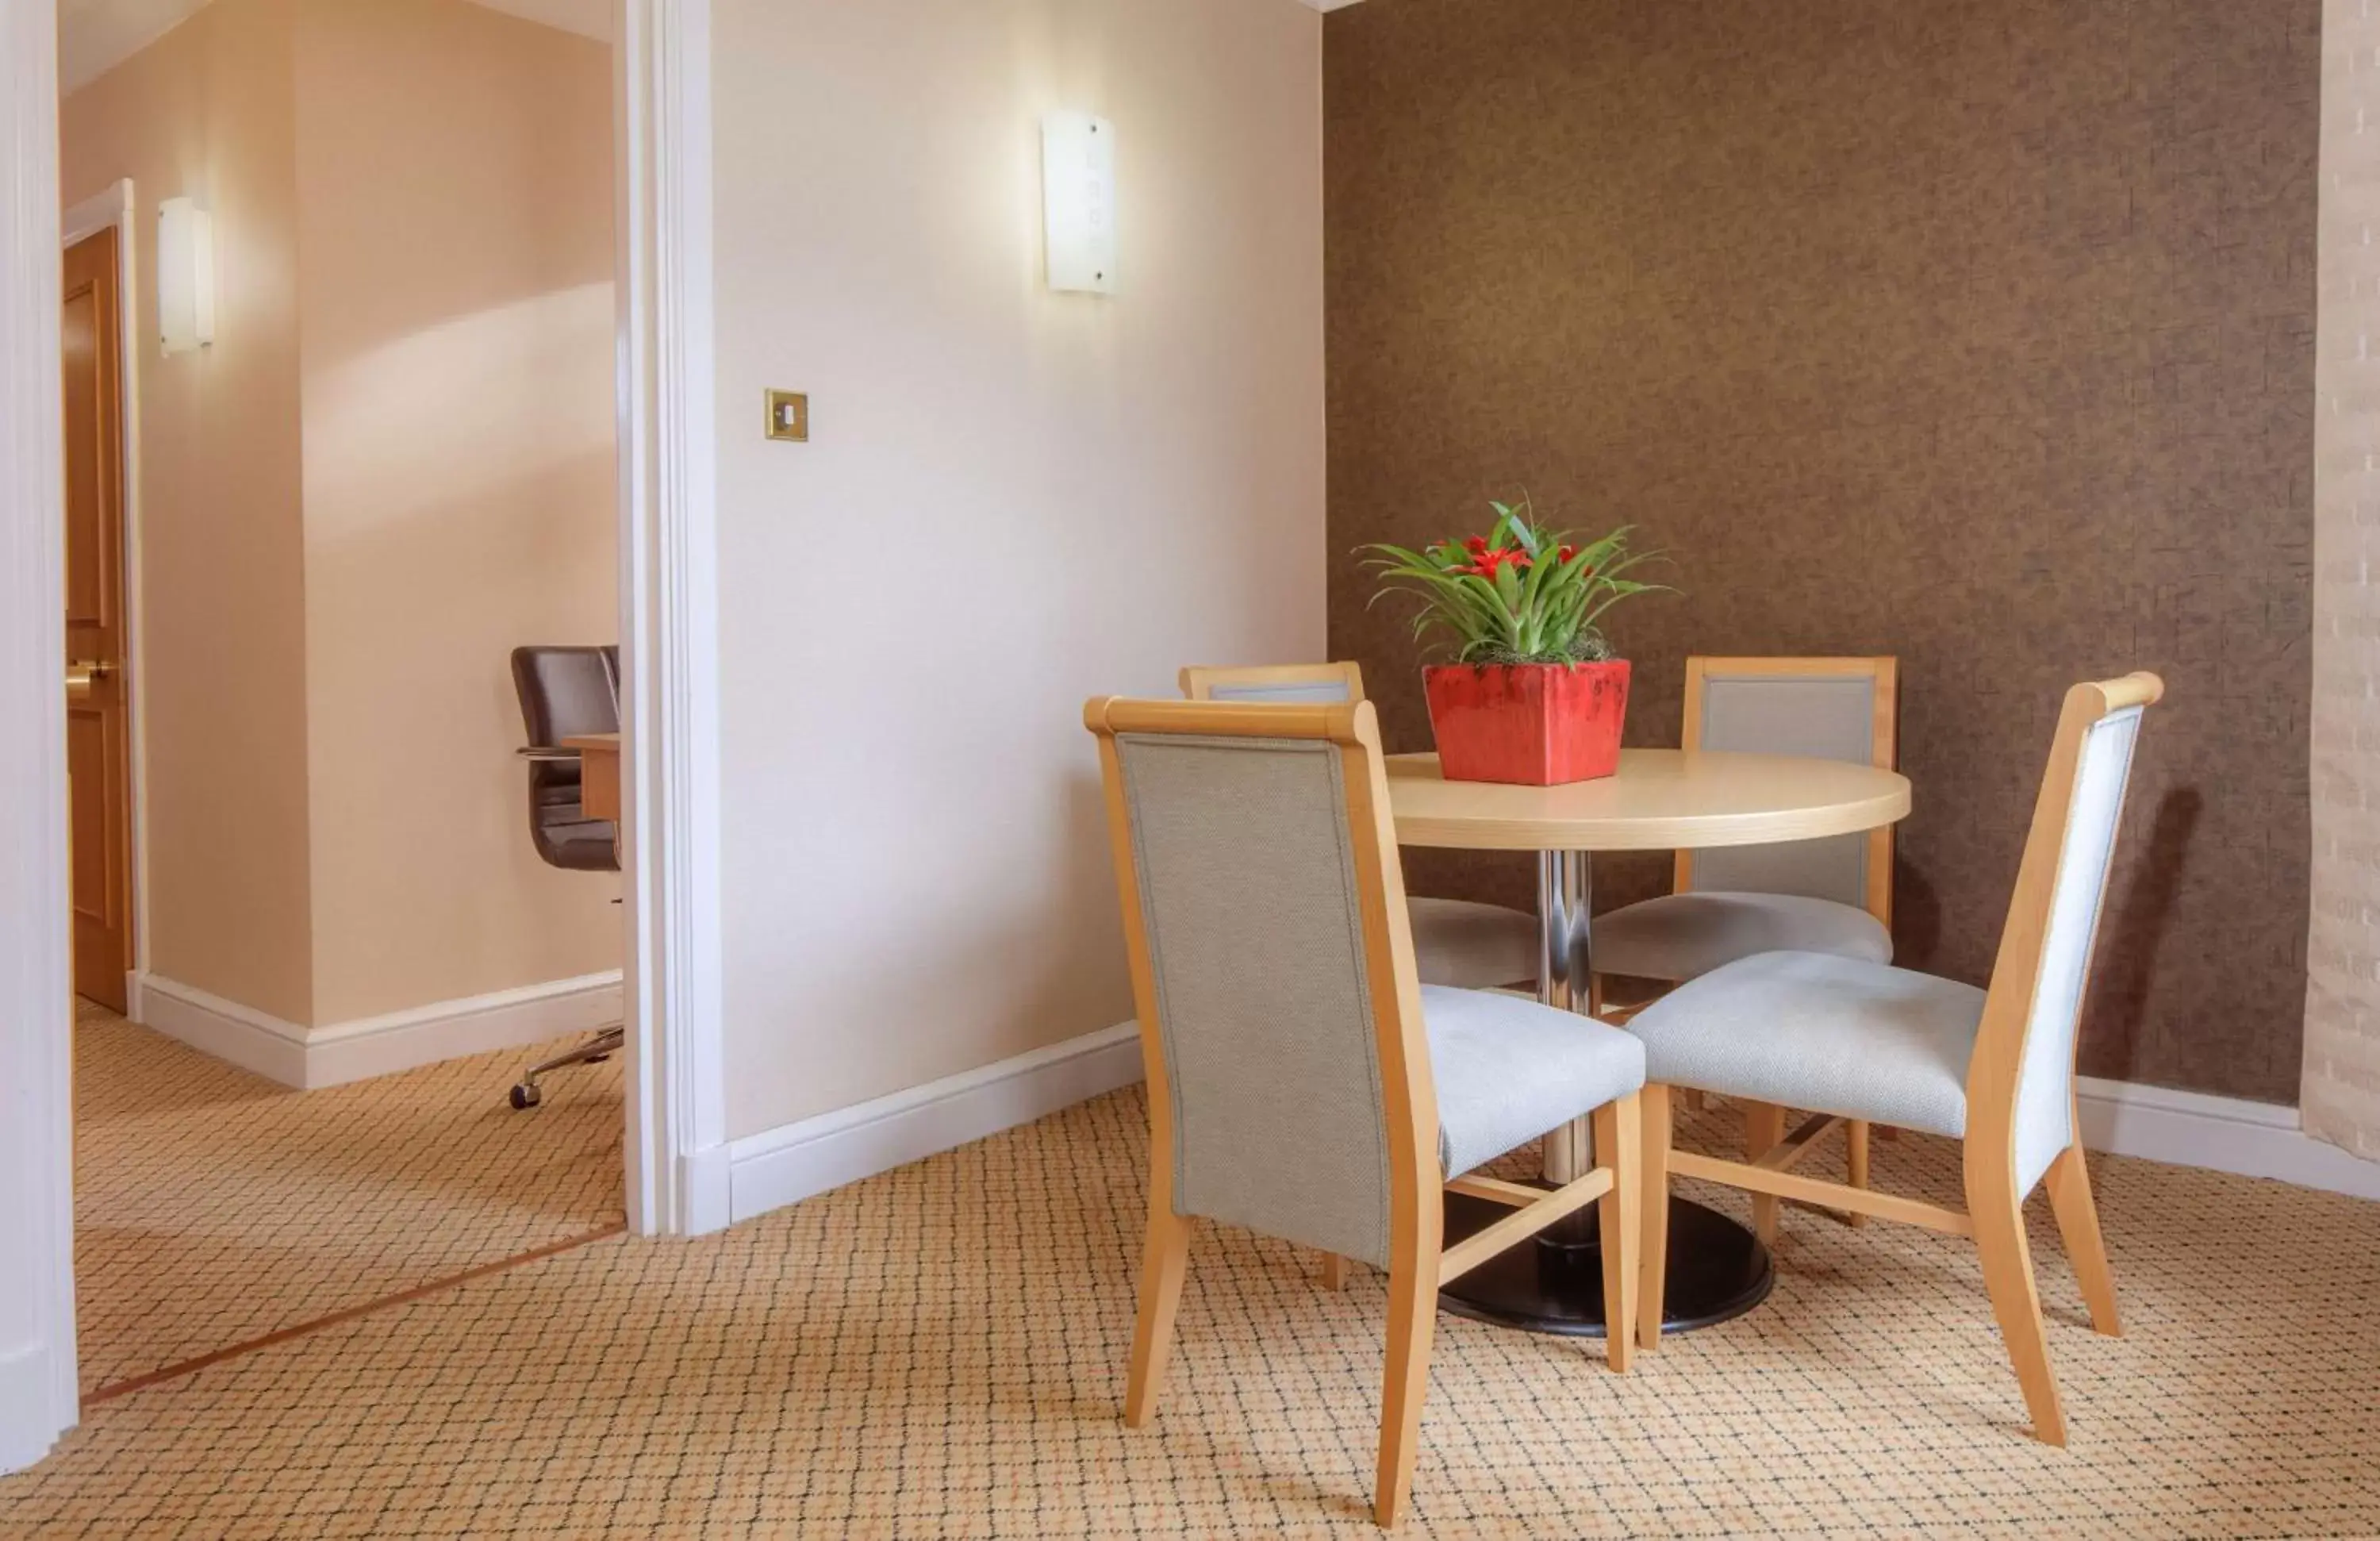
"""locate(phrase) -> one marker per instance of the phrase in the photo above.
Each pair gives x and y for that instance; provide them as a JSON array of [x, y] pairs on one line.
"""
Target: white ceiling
[[588, 18], [94, 36]]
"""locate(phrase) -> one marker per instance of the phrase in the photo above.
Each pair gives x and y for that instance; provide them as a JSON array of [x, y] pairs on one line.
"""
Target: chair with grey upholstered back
[[1302, 1081], [1827, 895], [1850, 1039], [1456, 942]]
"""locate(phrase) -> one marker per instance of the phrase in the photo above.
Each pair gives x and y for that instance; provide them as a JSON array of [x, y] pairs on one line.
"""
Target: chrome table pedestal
[[1553, 1281]]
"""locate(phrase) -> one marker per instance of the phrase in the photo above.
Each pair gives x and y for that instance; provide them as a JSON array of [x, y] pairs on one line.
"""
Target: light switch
[[789, 415]]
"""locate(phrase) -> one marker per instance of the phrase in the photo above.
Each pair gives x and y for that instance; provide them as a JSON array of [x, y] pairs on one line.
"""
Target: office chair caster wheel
[[525, 1096]]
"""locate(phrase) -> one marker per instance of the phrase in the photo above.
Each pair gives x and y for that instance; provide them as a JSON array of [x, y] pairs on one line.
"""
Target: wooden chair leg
[[1764, 1128], [1856, 1158], [1998, 1216], [1653, 1248], [2077, 1224], [1334, 1271], [1412, 1321], [1164, 1261], [1618, 1143]]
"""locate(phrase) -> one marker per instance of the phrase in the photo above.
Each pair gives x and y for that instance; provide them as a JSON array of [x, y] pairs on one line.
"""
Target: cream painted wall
[[208, 111], [454, 240], [1012, 500], [395, 464]]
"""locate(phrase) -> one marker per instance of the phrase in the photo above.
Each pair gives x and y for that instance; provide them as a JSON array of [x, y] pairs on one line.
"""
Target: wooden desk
[[598, 773]]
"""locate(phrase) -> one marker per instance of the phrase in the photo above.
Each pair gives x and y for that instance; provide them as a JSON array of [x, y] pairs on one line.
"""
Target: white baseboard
[[30, 1419], [367, 1047], [706, 1180], [2221, 1134], [373, 1046], [782, 1166], [241, 1035]]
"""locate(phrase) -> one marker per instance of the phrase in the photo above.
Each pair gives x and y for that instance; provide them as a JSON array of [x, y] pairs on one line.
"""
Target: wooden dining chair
[[1303, 1082], [1457, 941], [1851, 1038], [1275, 683], [1828, 895]]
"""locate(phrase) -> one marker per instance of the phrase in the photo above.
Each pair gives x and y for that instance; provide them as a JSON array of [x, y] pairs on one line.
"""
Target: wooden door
[[98, 737]]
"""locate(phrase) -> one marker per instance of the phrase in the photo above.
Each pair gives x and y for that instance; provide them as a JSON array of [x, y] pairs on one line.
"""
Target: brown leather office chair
[[565, 692]]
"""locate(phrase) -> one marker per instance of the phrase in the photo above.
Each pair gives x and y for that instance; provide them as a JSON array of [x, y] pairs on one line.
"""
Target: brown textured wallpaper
[[1977, 334]]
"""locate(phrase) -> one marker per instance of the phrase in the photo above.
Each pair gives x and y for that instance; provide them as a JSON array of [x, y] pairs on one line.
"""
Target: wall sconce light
[[1078, 201], [186, 275]]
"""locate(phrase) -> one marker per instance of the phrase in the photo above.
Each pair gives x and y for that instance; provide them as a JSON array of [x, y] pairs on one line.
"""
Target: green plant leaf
[[1547, 612]]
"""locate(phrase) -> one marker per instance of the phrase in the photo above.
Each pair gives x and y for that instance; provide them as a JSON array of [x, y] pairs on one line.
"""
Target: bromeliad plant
[[1519, 594]]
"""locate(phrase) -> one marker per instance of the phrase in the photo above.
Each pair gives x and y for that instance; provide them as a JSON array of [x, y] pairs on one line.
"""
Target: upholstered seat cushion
[[1473, 946], [583, 845], [1820, 1033], [1508, 1070], [1685, 936]]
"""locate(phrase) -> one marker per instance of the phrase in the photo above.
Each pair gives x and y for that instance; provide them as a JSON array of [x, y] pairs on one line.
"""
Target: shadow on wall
[[502, 392], [1076, 928], [1916, 911], [2133, 931], [961, 974], [460, 503]]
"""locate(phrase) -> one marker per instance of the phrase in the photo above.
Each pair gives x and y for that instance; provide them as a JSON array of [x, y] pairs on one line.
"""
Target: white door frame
[[37, 1361], [677, 1087], [677, 1145]]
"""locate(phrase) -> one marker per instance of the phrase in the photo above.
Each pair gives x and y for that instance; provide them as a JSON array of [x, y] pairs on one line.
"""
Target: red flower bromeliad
[[1486, 560], [1520, 593]]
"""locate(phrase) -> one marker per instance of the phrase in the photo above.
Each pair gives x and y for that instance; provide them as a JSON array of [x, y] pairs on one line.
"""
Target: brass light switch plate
[[789, 415]]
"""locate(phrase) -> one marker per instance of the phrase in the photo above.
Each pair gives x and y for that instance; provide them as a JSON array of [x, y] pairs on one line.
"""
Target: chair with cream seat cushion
[[1458, 941], [1847, 1038], [1508, 1070], [1831, 895], [1685, 936], [1859, 1039], [1302, 1081]]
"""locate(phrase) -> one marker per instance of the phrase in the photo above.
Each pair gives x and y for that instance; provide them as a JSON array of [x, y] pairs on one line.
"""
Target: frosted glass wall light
[[186, 275], [1078, 197]]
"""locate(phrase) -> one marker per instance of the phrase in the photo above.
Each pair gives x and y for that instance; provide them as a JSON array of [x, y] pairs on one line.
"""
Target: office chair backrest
[[1272, 965], [1824, 708], [565, 692]]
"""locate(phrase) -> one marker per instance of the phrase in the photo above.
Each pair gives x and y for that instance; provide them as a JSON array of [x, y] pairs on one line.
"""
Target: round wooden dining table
[[1659, 800]]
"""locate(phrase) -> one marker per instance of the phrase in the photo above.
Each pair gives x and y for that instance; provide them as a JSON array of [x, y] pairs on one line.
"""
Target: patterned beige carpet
[[212, 1206], [939, 1351]]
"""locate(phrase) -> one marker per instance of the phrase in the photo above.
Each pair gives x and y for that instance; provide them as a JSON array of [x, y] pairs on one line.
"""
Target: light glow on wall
[[186, 275], [1078, 197]]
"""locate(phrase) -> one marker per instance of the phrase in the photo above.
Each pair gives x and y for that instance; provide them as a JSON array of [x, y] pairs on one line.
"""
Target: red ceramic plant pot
[[1537, 724]]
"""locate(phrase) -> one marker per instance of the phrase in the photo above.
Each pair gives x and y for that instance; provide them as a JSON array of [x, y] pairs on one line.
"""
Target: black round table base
[[1553, 1281]]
